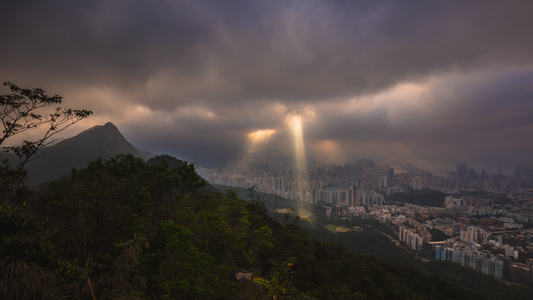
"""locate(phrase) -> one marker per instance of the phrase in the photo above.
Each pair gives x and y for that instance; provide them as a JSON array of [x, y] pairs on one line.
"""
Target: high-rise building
[[368, 186], [382, 181], [350, 196], [472, 175], [417, 183], [429, 179], [355, 195], [479, 185], [462, 175], [390, 177]]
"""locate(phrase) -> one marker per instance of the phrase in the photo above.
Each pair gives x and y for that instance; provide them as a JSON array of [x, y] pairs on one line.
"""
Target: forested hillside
[[124, 229]]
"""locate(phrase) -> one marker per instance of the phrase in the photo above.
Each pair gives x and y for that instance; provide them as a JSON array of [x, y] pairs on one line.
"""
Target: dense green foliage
[[430, 198]]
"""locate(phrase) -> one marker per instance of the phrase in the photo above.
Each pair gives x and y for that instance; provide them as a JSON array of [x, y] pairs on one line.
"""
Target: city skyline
[[432, 84]]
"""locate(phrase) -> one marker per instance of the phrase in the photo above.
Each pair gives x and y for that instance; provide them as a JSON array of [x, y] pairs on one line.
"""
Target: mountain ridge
[[59, 159]]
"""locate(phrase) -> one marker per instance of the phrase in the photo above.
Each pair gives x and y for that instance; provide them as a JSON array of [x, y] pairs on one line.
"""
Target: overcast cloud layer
[[429, 82]]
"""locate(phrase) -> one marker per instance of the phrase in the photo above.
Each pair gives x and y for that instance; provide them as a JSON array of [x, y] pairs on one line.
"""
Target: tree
[[24, 242], [26, 109], [109, 194]]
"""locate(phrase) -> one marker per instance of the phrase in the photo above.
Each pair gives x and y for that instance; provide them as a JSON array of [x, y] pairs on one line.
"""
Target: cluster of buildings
[[479, 232], [329, 185], [359, 182], [493, 246], [350, 196], [481, 261], [487, 259], [410, 237]]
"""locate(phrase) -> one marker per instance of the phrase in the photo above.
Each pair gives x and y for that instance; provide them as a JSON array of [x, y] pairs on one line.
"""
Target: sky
[[432, 83]]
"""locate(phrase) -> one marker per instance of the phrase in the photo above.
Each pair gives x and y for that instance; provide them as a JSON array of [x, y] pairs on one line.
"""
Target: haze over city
[[430, 83]]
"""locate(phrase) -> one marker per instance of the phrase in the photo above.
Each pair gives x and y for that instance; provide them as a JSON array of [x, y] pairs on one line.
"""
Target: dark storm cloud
[[196, 135], [99, 41], [205, 143], [470, 117], [217, 69], [262, 50], [484, 119], [340, 124]]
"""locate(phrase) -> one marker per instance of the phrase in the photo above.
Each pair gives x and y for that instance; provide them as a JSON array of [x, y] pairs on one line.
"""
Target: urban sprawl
[[485, 222]]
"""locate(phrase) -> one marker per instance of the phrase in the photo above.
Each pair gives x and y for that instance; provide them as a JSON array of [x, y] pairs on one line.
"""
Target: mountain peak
[[109, 126], [103, 141], [106, 127]]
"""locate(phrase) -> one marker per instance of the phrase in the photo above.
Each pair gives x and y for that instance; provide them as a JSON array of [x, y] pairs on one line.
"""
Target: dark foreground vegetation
[[125, 229], [430, 198]]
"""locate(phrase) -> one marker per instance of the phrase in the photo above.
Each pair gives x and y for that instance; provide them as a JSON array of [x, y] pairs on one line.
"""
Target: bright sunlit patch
[[260, 136], [256, 140]]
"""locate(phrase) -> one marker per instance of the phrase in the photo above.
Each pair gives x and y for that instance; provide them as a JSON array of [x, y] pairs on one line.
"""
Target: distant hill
[[171, 161], [59, 159], [175, 163]]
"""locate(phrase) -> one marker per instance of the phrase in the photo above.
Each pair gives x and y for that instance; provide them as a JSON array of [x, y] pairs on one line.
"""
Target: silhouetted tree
[[25, 109]]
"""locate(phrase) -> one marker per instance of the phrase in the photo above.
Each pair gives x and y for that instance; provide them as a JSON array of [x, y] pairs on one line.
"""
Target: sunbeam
[[256, 140], [299, 147]]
